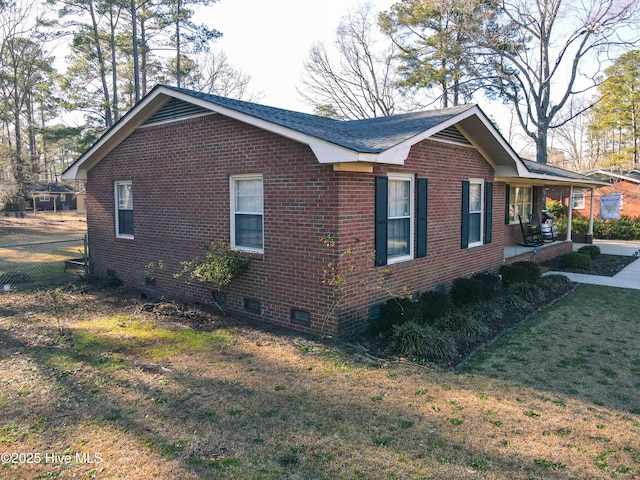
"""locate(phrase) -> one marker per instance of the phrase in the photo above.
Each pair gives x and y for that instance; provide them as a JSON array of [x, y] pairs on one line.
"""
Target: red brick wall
[[180, 173], [445, 166]]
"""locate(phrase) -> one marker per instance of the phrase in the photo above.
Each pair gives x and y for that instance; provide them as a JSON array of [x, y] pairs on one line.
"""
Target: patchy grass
[[126, 389]]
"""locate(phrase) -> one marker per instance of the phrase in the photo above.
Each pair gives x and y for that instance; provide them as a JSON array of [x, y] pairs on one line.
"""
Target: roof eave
[[550, 180]]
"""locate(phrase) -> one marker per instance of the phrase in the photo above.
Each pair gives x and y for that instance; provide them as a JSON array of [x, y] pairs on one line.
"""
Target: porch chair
[[532, 231]]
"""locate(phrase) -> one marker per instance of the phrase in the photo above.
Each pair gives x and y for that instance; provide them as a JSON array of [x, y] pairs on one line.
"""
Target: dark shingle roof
[[49, 187], [372, 135], [542, 169]]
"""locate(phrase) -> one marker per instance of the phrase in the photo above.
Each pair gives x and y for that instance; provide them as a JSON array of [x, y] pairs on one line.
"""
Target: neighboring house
[[51, 196], [626, 184], [81, 202], [436, 195]]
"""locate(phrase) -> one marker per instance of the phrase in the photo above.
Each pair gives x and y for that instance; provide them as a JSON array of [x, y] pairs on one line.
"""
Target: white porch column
[[593, 190], [570, 213]]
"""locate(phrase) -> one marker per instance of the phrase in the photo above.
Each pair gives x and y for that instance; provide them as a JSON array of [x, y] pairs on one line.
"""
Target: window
[[396, 218], [63, 197], [578, 201], [399, 213], [45, 198], [124, 209], [520, 203], [247, 213], [477, 213]]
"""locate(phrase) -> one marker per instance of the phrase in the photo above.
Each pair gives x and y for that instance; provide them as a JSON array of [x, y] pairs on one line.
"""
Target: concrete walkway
[[627, 278]]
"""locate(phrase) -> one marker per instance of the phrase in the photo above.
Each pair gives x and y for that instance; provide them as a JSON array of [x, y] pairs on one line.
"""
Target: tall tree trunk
[[134, 41], [178, 60], [108, 115]]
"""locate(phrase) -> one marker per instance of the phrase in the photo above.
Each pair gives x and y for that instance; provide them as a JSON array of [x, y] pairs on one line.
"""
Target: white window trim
[[577, 203], [477, 181], [117, 208], [412, 217], [232, 223]]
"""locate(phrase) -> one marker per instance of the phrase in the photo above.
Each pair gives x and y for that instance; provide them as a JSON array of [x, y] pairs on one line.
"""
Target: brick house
[[625, 184], [432, 195]]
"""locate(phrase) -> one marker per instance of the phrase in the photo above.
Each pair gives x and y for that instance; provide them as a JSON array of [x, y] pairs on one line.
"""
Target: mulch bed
[[511, 317], [603, 265]]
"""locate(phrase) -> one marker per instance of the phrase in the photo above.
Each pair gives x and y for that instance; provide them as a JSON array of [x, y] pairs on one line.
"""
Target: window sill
[[407, 258]]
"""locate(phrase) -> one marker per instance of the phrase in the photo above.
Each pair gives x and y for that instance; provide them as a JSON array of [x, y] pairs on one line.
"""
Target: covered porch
[[526, 195]]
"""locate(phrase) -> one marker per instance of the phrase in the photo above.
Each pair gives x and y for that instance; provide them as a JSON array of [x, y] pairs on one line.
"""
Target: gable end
[[453, 135], [176, 109]]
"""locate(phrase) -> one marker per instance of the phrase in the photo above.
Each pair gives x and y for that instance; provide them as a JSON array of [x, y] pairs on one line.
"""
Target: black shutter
[[506, 204], [381, 210], [464, 234], [421, 243], [488, 211]]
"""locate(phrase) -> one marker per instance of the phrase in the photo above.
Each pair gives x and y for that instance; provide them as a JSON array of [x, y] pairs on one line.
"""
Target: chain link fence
[[43, 263]]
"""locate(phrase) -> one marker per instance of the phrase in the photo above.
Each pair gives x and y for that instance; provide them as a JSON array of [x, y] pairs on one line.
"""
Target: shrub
[[395, 311], [528, 291], [549, 282], [491, 280], [434, 305], [590, 250], [467, 291], [520, 272], [422, 341], [575, 261], [218, 267], [463, 322]]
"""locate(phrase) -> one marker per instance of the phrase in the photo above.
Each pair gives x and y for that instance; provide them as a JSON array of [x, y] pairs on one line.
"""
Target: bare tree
[[571, 137], [215, 74], [361, 81], [545, 52]]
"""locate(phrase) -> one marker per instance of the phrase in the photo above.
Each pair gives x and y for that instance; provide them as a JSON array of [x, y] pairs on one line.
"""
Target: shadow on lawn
[[257, 407]]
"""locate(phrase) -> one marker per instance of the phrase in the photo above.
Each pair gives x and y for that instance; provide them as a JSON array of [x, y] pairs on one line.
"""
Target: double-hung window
[[520, 203], [247, 213], [400, 218], [477, 213], [124, 209]]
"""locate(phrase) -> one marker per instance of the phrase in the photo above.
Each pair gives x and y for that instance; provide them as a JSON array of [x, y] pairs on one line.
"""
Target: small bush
[[530, 292], [491, 280], [575, 261], [434, 305], [590, 250], [549, 282], [422, 341], [395, 311], [532, 267], [520, 272], [463, 322], [468, 291]]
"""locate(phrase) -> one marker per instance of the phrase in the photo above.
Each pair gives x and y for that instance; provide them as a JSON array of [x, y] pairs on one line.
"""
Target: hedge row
[[626, 228], [428, 327]]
